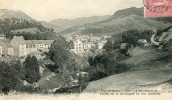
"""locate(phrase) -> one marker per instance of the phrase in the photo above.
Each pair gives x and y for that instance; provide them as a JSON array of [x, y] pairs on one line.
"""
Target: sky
[[46, 10]]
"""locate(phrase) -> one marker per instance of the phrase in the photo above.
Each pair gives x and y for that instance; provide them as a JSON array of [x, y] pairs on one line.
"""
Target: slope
[[6, 13], [159, 79], [131, 18], [116, 25], [65, 23]]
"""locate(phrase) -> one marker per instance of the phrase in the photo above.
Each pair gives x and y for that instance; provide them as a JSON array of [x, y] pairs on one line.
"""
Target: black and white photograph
[[85, 49]]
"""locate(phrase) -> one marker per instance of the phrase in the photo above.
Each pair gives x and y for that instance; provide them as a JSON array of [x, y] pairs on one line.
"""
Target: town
[[19, 47], [83, 43]]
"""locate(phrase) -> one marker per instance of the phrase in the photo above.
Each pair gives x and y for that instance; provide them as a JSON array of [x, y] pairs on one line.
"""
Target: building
[[30, 46], [6, 48], [100, 43], [2, 36], [78, 45], [1, 49], [85, 43], [143, 42], [19, 47]]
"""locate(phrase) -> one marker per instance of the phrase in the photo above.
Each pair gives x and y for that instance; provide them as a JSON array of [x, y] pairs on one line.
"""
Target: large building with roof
[[20, 47]]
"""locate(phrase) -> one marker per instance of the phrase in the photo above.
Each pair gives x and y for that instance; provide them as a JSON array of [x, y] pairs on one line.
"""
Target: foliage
[[9, 76], [9, 24], [82, 81], [106, 64], [28, 89], [31, 69], [166, 45], [63, 59], [130, 37]]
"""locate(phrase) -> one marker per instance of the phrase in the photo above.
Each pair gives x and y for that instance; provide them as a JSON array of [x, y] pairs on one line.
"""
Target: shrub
[[31, 69]]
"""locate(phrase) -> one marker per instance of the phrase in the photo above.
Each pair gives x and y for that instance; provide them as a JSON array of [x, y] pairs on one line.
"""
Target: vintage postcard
[[85, 49]]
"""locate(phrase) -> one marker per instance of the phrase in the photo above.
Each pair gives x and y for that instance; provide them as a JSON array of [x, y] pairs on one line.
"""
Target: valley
[[120, 51]]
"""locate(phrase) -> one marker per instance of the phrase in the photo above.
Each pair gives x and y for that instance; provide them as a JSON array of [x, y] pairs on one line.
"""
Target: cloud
[[68, 9]]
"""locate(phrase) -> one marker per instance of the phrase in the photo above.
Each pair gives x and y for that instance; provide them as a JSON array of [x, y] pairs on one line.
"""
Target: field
[[159, 79]]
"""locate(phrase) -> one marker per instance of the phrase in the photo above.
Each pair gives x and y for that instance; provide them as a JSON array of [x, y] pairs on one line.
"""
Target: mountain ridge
[[122, 20], [67, 23], [6, 13]]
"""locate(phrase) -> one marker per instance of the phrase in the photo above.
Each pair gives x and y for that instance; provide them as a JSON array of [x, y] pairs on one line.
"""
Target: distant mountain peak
[[129, 11], [7, 13], [66, 23]]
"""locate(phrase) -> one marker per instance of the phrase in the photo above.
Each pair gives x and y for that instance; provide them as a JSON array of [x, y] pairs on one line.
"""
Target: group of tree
[[106, 64], [31, 69], [109, 61], [130, 37], [9, 77], [64, 61], [8, 25], [13, 73]]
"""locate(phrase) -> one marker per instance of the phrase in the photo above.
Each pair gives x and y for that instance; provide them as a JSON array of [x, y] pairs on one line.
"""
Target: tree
[[130, 37], [60, 55], [31, 69], [9, 77], [106, 64], [82, 81]]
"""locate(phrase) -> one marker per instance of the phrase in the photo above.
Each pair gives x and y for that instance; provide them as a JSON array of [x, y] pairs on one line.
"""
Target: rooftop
[[2, 35], [46, 42]]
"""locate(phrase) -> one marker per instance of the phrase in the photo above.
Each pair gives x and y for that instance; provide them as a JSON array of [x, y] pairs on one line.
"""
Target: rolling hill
[[6, 13], [55, 27], [158, 79], [65, 23], [122, 20]]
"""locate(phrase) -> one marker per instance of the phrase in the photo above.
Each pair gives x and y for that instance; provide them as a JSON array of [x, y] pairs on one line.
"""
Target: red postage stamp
[[158, 8]]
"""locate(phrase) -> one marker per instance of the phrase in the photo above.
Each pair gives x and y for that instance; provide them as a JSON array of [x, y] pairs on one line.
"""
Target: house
[[23, 47], [40, 44], [94, 38], [143, 42], [19, 46], [85, 42], [38, 54], [8, 49], [78, 45], [48, 43], [2, 36], [100, 43], [30, 47], [1, 49]]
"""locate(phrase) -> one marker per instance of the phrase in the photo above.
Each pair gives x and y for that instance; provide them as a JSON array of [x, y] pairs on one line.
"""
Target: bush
[[130, 37], [31, 69], [9, 77]]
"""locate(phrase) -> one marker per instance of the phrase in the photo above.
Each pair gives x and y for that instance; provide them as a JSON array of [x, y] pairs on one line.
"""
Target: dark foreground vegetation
[[13, 73], [109, 61]]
